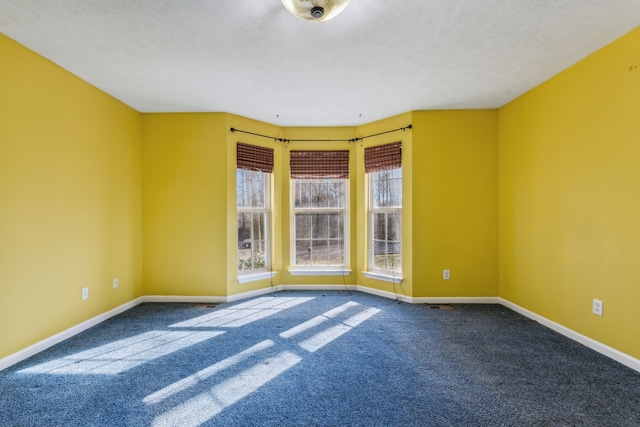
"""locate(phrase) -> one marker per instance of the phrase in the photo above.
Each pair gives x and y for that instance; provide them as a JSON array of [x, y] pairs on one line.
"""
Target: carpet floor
[[318, 358]]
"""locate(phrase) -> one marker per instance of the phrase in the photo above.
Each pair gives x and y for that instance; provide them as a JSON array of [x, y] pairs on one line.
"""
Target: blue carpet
[[319, 359]]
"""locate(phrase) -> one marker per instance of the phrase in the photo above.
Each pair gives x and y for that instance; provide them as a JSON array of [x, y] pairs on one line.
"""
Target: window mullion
[[310, 247], [386, 240], [253, 243], [326, 237]]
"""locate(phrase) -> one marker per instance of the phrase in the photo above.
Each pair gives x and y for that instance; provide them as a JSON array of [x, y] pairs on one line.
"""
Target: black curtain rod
[[381, 133], [258, 134], [321, 140]]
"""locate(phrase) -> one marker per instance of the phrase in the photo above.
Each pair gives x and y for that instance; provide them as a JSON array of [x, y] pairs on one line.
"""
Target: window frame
[[373, 272], [257, 273], [320, 270]]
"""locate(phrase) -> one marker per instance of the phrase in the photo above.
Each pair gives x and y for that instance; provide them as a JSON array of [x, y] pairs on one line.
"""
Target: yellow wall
[[185, 186], [70, 189], [570, 200], [189, 203], [455, 199]]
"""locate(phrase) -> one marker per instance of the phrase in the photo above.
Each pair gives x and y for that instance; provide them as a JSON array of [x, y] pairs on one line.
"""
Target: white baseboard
[[358, 288], [385, 294], [456, 300], [251, 294], [604, 349], [68, 333], [392, 295], [183, 299], [317, 287]]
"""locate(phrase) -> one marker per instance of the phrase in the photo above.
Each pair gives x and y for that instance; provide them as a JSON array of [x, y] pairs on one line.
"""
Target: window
[[319, 222], [319, 196], [384, 168], [253, 183], [253, 220], [385, 218]]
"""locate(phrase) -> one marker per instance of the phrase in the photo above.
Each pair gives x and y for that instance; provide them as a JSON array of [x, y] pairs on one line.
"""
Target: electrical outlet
[[446, 274], [597, 307], [85, 293], [115, 282]]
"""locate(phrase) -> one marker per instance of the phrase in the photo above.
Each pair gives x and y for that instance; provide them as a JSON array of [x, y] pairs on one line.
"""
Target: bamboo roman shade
[[383, 157], [254, 158], [319, 164]]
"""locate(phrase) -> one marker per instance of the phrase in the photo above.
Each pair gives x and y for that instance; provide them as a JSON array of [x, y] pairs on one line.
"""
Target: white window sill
[[385, 277], [252, 277], [321, 272]]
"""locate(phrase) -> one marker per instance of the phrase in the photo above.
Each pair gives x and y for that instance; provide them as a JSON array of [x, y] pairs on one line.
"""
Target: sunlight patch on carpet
[[122, 355], [318, 320], [242, 314], [207, 405], [205, 374], [323, 338], [204, 406]]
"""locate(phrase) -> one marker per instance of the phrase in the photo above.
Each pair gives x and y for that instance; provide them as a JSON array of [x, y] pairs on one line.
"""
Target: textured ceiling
[[377, 59]]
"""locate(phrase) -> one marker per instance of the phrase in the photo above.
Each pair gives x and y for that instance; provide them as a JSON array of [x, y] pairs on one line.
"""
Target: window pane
[[242, 191], [302, 194], [260, 247], [394, 248], [393, 226], [336, 226], [259, 254], [380, 262], [377, 196], [259, 224], [379, 226], [319, 252], [303, 226], [244, 260], [379, 247], [335, 194], [386, 189], [244, 242], [336, 252], [319, 194], [319, 226], [395, 197], [303, 251], [394, 262], [257, 190], [244, 229], [250, 189]]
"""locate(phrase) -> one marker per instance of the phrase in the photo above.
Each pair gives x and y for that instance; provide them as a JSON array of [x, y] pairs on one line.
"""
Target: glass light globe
[[315, 10]]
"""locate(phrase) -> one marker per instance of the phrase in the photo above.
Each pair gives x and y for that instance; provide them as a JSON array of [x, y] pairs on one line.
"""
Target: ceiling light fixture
[[315, 10]]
